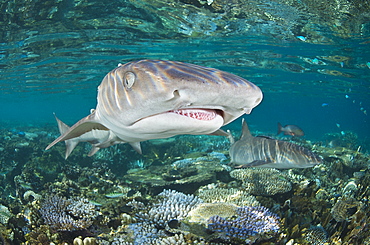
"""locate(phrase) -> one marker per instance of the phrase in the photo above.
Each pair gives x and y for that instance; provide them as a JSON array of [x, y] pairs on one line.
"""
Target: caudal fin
[[280, 128]]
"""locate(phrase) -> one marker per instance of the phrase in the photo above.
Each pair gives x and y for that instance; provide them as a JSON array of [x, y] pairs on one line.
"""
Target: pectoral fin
[[93, 150], [220, 132], [136, 146], [86, 124]]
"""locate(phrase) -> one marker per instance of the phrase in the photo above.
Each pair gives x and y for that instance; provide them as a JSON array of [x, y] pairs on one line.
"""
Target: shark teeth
[[199, 114]]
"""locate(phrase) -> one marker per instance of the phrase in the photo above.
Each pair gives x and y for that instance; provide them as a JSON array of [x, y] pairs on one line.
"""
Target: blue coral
[[67, 214], [172, 205], [250, 221]]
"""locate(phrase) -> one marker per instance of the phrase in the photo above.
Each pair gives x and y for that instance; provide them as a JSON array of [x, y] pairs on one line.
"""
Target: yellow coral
[[204, 211]]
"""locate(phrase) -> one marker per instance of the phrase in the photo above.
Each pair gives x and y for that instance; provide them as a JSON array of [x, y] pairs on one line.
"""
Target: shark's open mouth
[[199, 114]]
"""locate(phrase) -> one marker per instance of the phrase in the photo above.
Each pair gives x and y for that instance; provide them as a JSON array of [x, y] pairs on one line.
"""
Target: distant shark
[[265, 152], [153, 99]]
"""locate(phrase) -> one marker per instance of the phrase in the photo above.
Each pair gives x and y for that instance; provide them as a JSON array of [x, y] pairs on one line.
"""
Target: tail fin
[[280, 128]]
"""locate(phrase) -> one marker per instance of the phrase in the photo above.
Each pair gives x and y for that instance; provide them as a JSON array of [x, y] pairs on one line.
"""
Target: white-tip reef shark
[[153, 99], [97, 138], [265, 152]]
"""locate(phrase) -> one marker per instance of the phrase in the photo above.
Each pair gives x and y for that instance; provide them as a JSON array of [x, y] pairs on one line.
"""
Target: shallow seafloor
[[309, 57], [113, 198]]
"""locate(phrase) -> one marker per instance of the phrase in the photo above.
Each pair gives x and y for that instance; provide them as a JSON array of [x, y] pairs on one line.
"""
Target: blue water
[[64, 80], [311, 60]]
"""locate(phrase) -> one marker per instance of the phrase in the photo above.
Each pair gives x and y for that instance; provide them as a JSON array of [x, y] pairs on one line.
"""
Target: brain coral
[[262, 181]]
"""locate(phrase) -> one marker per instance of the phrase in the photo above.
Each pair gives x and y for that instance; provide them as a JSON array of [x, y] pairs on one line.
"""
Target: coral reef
[[324, 204], [204, 211], [250, 224], [85, 241], [316, 235], [262, 181], [67, 214], [153, 222], [343, 209], [185, 175], [174, 205], [213, 194], [5, 214]]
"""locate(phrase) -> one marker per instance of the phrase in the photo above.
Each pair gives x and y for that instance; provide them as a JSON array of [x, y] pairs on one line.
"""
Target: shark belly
[[153, 99]]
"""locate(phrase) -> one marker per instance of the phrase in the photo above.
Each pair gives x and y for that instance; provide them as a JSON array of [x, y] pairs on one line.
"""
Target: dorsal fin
[[245, 130], [70, 144], [61, 125]]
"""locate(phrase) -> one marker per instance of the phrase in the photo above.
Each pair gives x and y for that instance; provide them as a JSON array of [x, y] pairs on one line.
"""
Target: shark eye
[[129, 79]]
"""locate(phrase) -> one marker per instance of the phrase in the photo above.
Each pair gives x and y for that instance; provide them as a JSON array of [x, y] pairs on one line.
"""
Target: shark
[[265, 152], [97, 138], [154, 99]]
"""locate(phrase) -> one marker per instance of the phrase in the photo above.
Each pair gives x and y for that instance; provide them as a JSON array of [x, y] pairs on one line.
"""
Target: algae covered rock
[[186, 176]]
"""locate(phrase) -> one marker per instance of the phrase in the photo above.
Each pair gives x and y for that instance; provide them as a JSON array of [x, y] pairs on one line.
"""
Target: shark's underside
[[152, 99]]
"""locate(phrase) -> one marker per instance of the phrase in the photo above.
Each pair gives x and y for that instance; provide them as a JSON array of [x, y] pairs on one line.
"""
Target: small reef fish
[[115, 195], [265, 152], [292, 130], [154, 99]]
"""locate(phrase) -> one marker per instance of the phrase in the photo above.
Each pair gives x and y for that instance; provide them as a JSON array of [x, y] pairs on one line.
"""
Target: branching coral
[[67, 214], [174, 205], [153, 220], [316, 235], [250, 223], [5, 214], [343, 209]]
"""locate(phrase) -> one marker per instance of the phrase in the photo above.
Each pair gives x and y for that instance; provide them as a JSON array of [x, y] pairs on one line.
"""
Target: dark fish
[[265, 152], [292, 130]]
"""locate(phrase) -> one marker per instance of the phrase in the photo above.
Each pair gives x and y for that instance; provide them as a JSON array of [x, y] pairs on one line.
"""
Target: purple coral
[[67, 214], [249, 222]]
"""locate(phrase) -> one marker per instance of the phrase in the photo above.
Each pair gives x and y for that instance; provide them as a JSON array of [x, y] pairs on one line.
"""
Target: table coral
[[230, 195], [262, 181]]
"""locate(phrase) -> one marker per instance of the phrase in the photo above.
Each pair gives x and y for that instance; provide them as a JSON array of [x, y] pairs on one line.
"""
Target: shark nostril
[[176, 93]]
